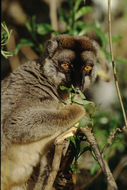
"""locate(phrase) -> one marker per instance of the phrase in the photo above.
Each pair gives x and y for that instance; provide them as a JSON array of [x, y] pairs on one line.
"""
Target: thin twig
[[112, 136], [103, 164], [113, 64]]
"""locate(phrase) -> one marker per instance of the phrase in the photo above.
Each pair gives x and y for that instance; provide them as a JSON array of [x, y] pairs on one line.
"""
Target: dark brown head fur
[[76, 43]]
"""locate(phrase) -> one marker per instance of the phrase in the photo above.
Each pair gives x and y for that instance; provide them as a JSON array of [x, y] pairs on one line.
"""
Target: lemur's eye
[[87, 68], [65, 66]]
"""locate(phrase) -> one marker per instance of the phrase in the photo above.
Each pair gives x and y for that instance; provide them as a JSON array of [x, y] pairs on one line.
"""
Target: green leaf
[[116, 38], [84, 31], [120, 60], [94, 168], [73, 88], [34, 23], [99, 32], [72, 139], [101, 133], [5, 34], [90, 107], [72, 98], [44, 28], [84, 102], [71, 4], [6, 54], [34, 26], [77, 4], [74, 168], [80, 24], [22, 42], [83, 149], [79, 101], [81, 94], [4, 38], [63, 88], [101, 35], [82, 12], [67, 89], [107, 54], [63, 15], [28, 26]]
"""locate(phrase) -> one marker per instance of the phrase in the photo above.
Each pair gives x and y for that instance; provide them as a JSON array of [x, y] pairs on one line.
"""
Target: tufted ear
[[51, 47]]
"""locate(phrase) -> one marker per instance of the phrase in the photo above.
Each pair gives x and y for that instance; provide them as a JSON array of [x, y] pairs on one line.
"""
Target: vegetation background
[[30, 23]]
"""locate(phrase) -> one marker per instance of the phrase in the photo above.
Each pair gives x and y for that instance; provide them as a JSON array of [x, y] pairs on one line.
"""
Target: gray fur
[[33, 114]]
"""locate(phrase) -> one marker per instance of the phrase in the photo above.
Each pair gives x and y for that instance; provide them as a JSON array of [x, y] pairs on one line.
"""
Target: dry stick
[[11, 45], [113, 64], [104, 166], [64, 176], [59, 145], [28, 52], [55, 166], [53, 14]]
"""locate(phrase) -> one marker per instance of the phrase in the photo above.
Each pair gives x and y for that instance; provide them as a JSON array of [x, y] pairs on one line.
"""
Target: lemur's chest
[[18, 163]]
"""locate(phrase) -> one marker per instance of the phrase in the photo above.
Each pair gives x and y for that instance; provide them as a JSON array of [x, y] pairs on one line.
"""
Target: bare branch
[[28, 52], [53, 14], [11, 45], [55, 166], [113, 63], [59, 145], [103, 164]]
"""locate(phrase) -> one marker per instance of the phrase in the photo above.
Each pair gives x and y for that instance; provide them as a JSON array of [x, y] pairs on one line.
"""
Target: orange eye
[[87, 68], [65, 66]]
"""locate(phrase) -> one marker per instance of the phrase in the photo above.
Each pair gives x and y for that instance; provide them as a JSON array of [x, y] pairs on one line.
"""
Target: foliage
[[5, 36], [103, 123], [87, 120], [33, 41], [101, 130], [73, 26]]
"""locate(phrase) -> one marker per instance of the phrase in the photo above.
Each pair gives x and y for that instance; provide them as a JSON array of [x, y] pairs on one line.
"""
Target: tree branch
[[53, 14], [103, 164], [65, 167], [113, 63]]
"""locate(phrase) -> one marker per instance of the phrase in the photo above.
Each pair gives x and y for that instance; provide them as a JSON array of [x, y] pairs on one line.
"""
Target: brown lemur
[[33, 114]]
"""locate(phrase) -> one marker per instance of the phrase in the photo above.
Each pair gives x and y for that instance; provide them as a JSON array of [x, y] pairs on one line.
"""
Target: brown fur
[[33, 114]]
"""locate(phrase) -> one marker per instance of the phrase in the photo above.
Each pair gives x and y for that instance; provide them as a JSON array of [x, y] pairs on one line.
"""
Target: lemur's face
[[73, 65]]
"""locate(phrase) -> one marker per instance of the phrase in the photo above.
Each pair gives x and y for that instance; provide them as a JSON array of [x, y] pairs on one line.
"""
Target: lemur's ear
[[51, 47]]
